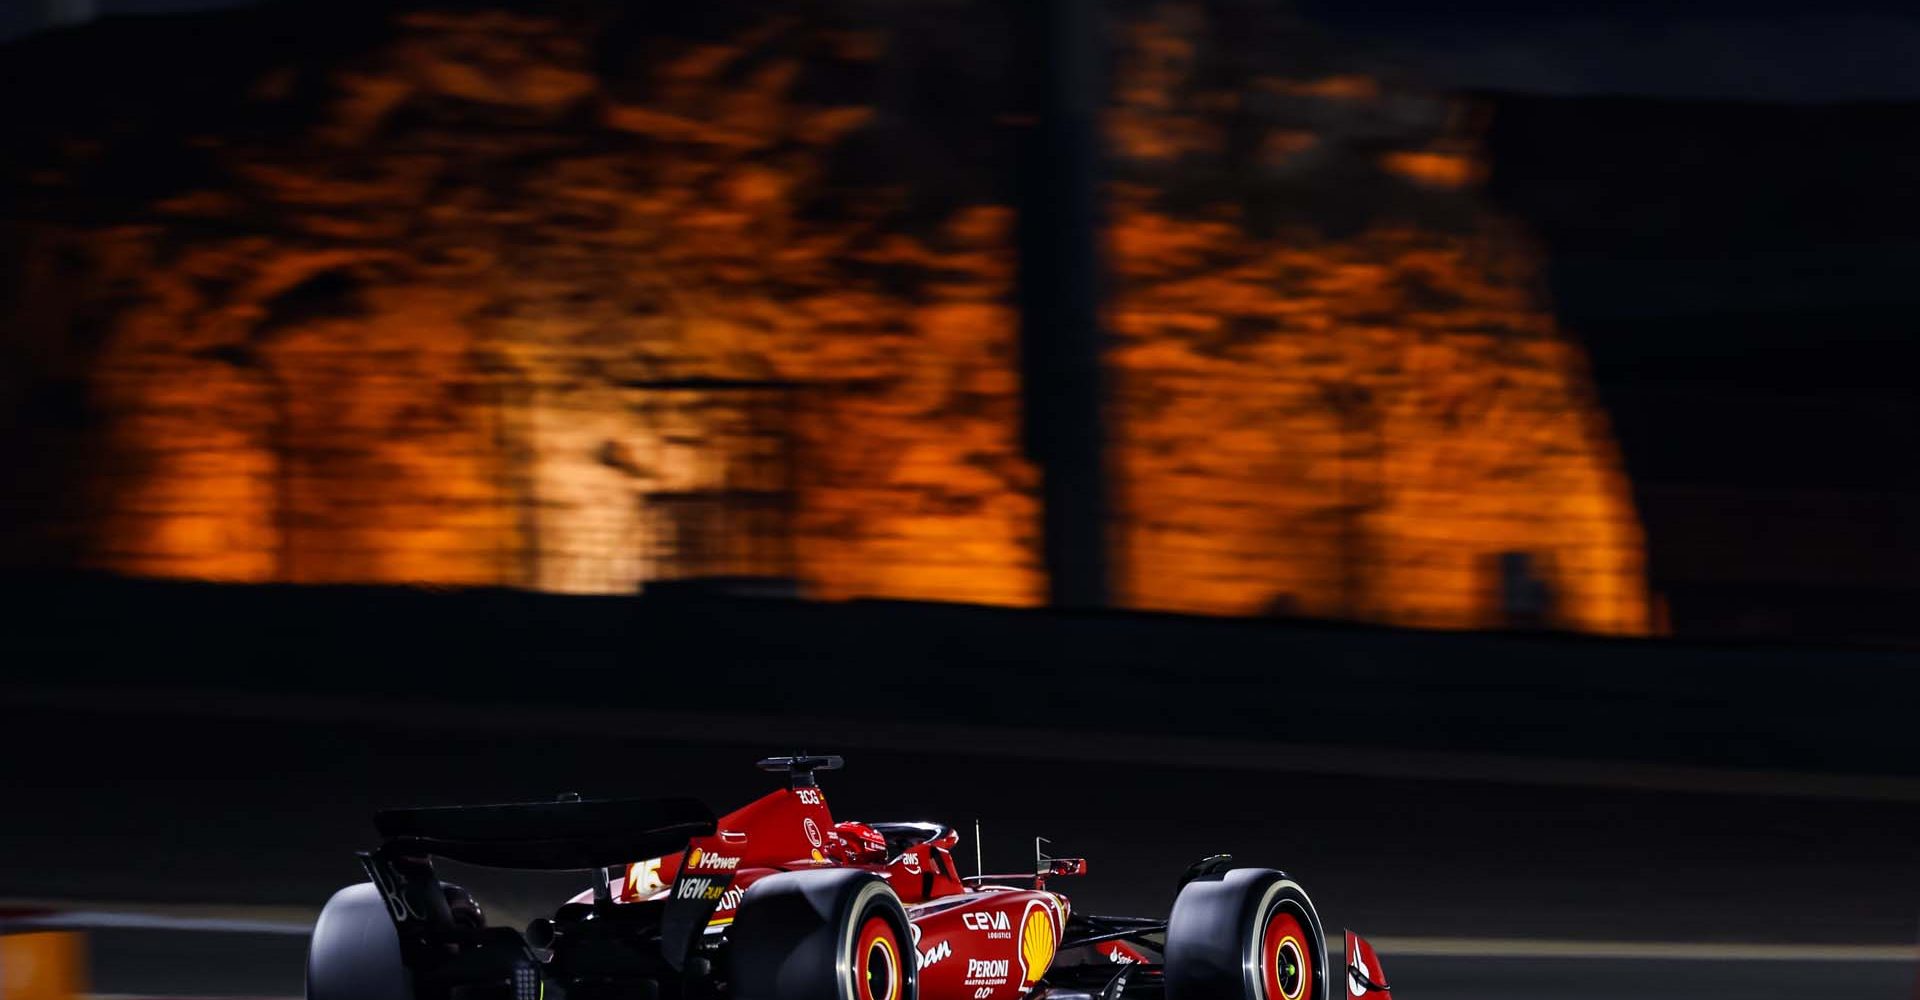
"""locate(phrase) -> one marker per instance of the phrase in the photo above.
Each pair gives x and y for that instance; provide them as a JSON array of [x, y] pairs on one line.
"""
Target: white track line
[[206, 918], [93, 921]]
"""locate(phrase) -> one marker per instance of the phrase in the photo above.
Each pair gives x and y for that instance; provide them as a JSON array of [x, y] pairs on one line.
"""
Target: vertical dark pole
[[1059, 293]]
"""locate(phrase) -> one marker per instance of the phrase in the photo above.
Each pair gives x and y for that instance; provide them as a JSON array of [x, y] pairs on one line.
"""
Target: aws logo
[[1037, 942]]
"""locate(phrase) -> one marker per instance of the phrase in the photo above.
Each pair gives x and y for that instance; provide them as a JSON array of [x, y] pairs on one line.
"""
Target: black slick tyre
[[1245, 934], [826, 934], [355, 952]]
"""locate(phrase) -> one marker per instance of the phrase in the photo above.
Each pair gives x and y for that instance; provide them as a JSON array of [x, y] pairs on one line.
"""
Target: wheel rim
[[1286, 964], [877, 962]]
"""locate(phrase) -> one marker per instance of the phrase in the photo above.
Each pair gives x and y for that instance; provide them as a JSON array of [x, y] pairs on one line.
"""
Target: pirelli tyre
[[824, 934], [355, 952], [1245, 934]]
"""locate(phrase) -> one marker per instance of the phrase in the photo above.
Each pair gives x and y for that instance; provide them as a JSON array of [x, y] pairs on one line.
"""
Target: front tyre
[[1246, 934], [827, 934]]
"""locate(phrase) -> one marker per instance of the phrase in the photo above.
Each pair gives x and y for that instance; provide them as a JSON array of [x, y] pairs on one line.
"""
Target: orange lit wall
[[1341, 390], [421, 336]]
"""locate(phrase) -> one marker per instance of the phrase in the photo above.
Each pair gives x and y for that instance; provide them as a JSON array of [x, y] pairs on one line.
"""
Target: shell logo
[[1037, 943], [693, 859]]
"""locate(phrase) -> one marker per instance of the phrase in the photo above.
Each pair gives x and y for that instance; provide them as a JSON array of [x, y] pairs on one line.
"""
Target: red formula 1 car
[[776, 901]]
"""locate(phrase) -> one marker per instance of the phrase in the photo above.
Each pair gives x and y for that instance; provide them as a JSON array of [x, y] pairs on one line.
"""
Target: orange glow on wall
[[1441, 170], [1339, 87], [49, 965], [495, 317]]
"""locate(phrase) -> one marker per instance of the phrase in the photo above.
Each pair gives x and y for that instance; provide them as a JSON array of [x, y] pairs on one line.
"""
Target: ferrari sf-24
[[776, 901]]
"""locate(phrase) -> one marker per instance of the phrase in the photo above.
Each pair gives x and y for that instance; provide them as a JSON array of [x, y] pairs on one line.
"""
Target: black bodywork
[[592, 950], [1080, 972]]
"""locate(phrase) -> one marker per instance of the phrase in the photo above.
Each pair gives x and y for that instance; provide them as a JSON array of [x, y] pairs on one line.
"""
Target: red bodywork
[[1365, 978], [973, 942], [981, 942]]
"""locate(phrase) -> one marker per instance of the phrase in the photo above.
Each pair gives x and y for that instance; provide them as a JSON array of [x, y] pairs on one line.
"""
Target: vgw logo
[[698, 888]]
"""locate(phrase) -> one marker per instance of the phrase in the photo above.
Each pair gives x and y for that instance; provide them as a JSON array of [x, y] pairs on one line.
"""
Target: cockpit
[[917, 857]]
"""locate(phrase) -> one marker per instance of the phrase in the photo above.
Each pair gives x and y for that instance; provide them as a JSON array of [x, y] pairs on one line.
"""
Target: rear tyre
[[1247, 934], [830, 934], [355, 952]]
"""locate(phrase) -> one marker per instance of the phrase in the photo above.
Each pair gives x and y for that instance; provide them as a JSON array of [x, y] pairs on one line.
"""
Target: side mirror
[[1066, 866]]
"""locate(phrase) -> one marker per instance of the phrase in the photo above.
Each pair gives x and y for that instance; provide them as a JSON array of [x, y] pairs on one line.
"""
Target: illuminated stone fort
[[575, 304]]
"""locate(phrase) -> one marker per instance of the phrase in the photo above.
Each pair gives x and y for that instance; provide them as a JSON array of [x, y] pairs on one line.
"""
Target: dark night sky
[[1767, 51], [1786, 50]]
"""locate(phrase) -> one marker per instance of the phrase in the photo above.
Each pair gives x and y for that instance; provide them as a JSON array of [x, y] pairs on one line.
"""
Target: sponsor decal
[[911, 862], [392, 889], [934, 954], [699, 888], [723, 913], [817, 856], [987, 968], [706, 861], [983, 920], [808, 796], [643, 879], [1037, 942], [813, 831]]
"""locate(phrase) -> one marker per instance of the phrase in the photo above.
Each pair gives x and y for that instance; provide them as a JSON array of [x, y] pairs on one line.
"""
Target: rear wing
[[552, 836], [568, 835]]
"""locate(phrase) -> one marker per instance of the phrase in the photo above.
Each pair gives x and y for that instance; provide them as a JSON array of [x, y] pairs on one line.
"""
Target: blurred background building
[[581, 299], [584, 302]]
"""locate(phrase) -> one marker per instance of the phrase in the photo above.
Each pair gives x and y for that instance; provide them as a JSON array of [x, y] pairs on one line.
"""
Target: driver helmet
[[854, 843]]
